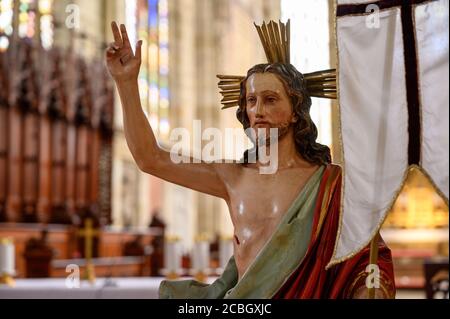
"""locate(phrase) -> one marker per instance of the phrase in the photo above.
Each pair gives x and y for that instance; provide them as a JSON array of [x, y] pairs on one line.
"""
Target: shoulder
[[335, 167], [333, 172]]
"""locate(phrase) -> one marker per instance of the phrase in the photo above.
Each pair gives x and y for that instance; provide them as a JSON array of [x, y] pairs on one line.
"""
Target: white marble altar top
[[116, 288]]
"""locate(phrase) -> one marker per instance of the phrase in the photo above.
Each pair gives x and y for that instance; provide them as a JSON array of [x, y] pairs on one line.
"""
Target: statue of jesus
[[285, 224]]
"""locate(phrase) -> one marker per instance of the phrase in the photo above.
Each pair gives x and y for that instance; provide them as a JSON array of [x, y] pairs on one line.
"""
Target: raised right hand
[[122, 63]]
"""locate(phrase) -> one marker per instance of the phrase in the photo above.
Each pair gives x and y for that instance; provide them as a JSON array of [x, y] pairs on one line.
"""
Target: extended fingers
[[117, 36], [139, 50], [126, 40]]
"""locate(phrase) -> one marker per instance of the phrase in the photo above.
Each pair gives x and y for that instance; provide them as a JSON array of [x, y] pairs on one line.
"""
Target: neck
[[288, 156]]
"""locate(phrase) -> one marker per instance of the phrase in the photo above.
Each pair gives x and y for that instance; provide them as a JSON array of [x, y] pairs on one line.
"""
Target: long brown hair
[[305, 131]]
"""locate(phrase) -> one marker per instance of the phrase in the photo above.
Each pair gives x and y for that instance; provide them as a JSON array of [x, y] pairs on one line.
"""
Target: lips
[[261, 123]]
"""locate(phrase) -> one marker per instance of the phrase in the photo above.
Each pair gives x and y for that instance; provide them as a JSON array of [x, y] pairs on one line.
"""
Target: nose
[[259, 109]]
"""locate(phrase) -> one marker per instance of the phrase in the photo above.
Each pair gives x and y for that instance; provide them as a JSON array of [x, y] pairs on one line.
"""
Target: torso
[[257, 204]]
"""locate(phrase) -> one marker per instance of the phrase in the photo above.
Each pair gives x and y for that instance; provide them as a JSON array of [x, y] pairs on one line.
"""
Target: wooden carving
[[83, 116], [59, 145], [4, 93], [52, 107], [21, 100], [56, 118], [105, 165], [29, 102], [71, 76]]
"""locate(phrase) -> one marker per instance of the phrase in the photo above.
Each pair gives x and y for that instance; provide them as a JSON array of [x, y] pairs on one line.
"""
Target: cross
[[88, 233], [411, 65]]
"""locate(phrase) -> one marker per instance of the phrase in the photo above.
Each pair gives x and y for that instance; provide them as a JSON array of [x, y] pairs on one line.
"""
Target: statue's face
[[268, 104]]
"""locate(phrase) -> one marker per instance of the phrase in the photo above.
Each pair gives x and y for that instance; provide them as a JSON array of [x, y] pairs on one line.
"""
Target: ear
[[294, 119]]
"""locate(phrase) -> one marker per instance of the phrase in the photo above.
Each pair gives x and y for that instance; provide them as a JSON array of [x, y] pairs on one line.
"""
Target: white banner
[[375, 112]]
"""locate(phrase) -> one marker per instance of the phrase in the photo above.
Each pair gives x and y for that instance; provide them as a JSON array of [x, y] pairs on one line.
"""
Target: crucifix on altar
[[88, 233]]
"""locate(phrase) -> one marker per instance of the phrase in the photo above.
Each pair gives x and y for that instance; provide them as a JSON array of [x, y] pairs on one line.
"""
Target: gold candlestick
[[173, 275], [201, 277], [171, 260], [8, 280]]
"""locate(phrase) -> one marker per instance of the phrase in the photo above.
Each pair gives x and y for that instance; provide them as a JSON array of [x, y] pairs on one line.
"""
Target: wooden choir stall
[[56, 130]]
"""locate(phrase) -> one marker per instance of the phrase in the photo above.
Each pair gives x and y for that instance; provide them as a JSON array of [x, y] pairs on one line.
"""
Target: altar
[[104, 288]]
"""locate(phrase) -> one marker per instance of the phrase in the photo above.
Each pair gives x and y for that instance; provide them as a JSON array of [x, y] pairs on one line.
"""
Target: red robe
[[311, 280]]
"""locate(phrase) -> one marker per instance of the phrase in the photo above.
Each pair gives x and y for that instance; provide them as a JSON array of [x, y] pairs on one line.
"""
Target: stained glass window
[[149, 20], [46, 19], [163, 30], [6, 16], [30, 12]]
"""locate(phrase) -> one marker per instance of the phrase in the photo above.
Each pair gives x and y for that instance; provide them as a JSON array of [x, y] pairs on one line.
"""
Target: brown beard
[[283, 130]]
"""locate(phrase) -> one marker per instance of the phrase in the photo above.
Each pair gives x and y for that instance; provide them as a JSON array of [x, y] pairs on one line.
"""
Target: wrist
[[126, 81]]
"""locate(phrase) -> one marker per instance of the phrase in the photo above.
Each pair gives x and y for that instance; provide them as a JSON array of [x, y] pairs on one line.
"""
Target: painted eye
[[251, 100], [271, 100]]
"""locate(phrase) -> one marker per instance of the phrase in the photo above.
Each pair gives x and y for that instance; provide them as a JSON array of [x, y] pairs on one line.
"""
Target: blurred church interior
[[70, 191]]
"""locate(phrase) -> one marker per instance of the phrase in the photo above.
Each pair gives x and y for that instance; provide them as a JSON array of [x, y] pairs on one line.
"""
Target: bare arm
[[124, 68]]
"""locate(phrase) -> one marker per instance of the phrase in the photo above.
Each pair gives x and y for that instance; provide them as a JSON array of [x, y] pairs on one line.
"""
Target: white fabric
[[374, 123], [432, 47], [374, 116]]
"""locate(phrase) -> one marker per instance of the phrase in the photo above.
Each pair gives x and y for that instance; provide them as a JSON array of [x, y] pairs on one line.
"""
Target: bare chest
[[257, 199], [257, 205]]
